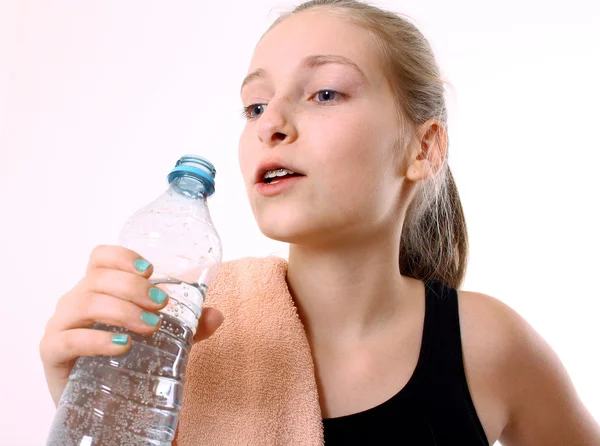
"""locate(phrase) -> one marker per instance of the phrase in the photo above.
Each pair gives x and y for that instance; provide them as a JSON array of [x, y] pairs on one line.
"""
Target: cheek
[[353, 149], [356, 165], [245, 159]]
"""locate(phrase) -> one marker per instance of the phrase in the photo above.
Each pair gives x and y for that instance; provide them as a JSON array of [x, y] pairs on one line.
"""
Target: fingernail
[[157, 295], [141, 265], [120, 339], [150, 318]]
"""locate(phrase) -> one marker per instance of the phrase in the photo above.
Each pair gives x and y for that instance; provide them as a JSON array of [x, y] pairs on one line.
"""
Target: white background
[[98, 99]]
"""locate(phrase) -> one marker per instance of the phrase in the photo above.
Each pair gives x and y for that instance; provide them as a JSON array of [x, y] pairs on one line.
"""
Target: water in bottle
[[135, 398]]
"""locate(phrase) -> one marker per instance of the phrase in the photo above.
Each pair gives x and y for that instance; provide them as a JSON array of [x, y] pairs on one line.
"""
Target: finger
[[63, 347], [102, 308], [118, 257], [126, 286], [210, 321]]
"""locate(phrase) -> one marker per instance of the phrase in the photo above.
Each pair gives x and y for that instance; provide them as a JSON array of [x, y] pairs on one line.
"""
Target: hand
[[116, 290]]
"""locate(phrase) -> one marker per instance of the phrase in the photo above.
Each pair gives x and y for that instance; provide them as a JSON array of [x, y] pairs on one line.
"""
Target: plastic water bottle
[[135, 398]]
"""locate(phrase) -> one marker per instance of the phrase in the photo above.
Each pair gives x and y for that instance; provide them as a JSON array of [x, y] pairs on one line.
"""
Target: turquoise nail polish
[[150, 318], [157, 295], [141, 265], [120, 339]]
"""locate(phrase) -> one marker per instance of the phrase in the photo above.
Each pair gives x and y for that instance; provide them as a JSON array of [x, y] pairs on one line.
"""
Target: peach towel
[[253, 381]]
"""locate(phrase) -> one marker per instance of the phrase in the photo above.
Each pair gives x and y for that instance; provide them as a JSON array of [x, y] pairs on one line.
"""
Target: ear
[[429, 157]]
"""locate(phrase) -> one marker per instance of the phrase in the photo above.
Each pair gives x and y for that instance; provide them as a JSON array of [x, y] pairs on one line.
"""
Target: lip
[[272, 165], [272, 189]]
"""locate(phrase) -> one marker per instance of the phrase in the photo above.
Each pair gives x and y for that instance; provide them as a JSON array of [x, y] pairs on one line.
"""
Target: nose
[[275, 126]]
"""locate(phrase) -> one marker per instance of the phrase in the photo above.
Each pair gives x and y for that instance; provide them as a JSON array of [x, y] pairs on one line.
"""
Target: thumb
[[210, 320]]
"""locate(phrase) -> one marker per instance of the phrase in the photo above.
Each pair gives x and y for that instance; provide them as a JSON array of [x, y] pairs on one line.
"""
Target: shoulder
[[499, 341], [515, 374], [490, 328], [498, 336], [493, 336]]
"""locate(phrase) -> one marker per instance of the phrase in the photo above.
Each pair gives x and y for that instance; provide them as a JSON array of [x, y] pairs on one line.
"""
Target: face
[[319, 104]]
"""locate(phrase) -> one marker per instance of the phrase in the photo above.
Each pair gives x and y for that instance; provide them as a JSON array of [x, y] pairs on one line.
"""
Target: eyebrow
[[310, 62]]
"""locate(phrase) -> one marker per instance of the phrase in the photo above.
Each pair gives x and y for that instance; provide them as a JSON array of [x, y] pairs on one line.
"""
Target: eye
[[327, 95], [253, 110]]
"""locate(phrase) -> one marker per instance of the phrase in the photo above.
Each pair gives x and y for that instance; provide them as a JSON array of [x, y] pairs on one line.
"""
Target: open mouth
[[275, 175]]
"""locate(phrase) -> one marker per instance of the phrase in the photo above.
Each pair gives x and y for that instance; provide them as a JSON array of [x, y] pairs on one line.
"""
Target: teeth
[[277, 173]]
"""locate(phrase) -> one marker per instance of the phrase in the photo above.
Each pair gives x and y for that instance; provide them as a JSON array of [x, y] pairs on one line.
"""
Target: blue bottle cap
[[197, 167]]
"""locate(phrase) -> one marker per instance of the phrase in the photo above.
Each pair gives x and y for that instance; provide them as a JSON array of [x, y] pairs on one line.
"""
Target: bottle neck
[[189, 186], [189, 194]]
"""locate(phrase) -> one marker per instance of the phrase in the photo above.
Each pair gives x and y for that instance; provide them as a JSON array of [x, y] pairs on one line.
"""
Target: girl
[[348, 98]]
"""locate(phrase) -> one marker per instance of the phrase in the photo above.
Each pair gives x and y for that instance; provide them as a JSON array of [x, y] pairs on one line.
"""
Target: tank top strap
[[441, 332], [443, 368]]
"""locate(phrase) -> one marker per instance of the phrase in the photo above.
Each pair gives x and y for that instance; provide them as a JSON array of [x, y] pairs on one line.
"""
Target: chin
[[298, 230], [283, 228]]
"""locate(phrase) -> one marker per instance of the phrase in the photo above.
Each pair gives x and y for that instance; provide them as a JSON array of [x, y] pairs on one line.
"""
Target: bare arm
[[520, 380], [544, 408]]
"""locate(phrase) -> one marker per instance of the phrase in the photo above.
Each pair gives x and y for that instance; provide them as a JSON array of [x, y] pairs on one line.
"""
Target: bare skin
[[336, 124]]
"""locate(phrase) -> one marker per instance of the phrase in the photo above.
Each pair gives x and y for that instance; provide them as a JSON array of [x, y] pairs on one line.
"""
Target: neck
[[350, 293]]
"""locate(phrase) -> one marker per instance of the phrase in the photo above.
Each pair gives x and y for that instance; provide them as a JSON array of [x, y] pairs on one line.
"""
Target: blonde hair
[[434, 242]]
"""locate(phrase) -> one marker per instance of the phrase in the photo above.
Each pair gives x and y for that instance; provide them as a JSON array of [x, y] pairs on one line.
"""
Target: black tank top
[[435, 407]]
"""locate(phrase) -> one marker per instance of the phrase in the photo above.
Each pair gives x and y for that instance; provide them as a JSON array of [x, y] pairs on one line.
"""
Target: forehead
[[316, 32]]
